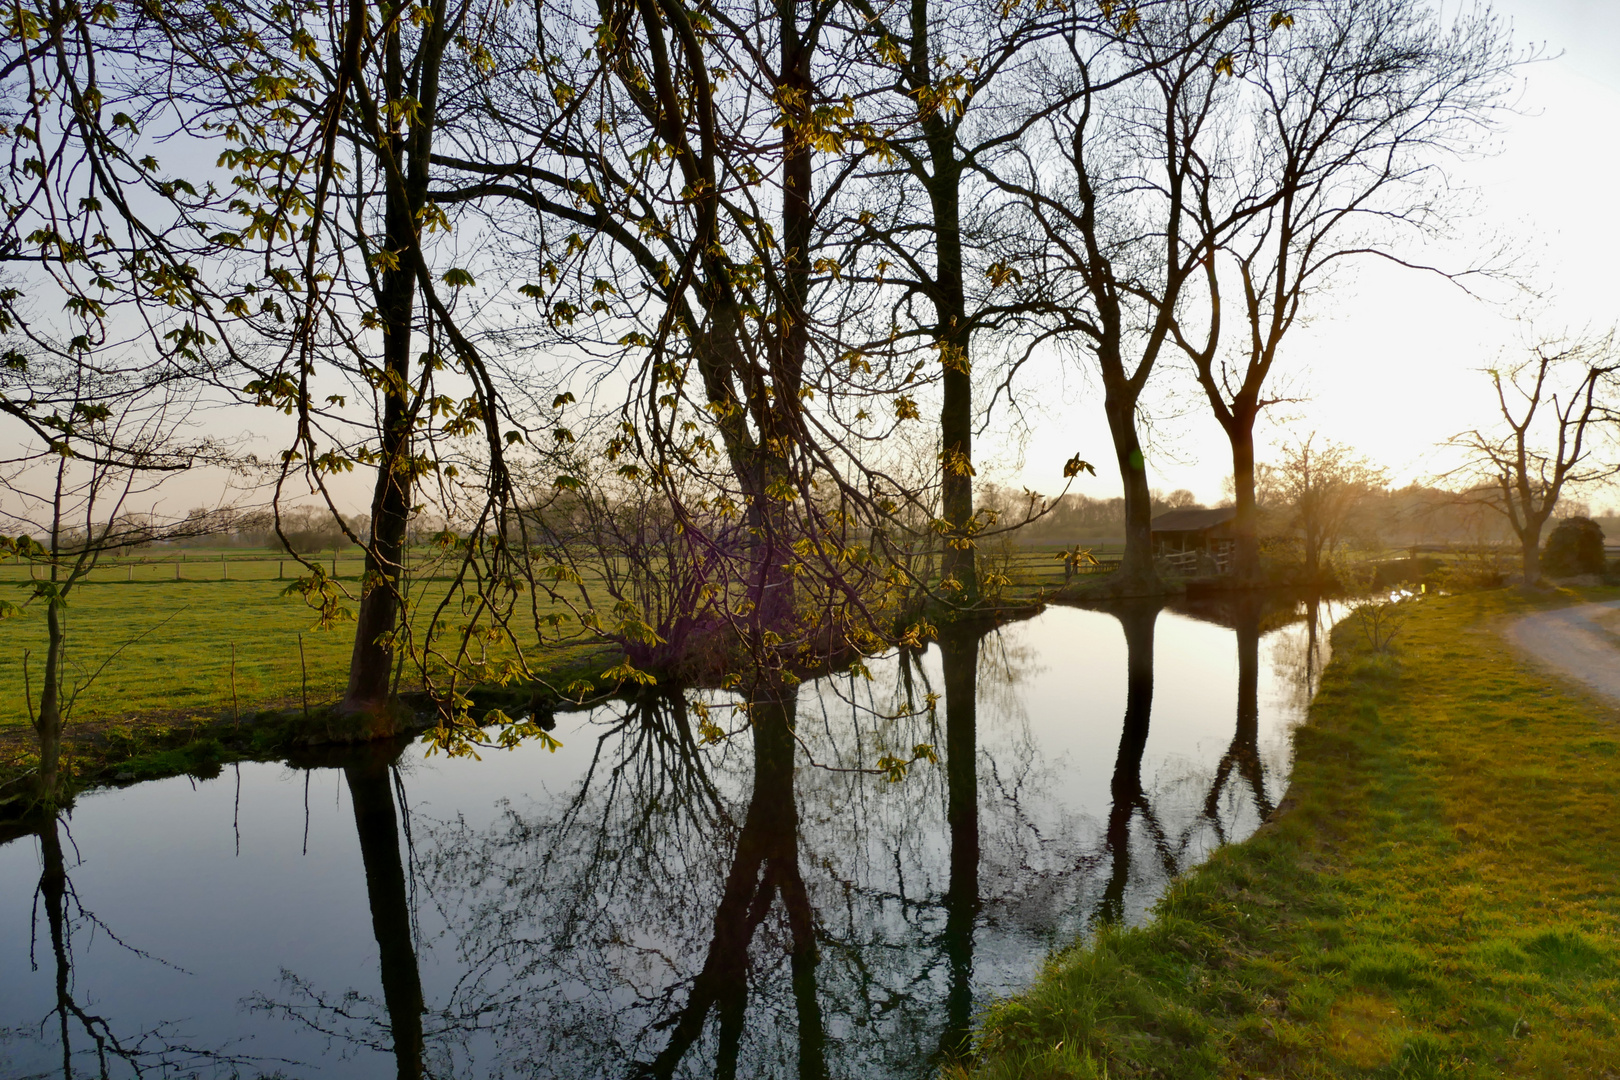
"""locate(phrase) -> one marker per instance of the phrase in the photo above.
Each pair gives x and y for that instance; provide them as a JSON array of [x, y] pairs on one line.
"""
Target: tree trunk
[[378, 828], [372, 662], [48, 721], [770, 586], [1530, 546], [1137, 620], [1313, 551], [951, 334], [959, 657], [956, 482], [1136, 573], [1246, 520]]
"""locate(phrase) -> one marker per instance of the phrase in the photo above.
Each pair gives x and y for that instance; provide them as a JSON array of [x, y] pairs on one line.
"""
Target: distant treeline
[[307, 529], [1072, 517], [1393, 517], [1396, 517]]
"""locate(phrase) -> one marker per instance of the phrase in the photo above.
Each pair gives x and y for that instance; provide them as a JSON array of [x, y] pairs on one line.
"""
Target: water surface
[[646, 902]]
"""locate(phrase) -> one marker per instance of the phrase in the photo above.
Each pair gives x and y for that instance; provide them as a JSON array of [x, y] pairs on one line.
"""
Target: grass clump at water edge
[[1438, 897]]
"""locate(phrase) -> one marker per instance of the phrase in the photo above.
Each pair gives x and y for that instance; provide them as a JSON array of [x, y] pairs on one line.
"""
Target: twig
[[236, 710], [304, 668], [28, 688]]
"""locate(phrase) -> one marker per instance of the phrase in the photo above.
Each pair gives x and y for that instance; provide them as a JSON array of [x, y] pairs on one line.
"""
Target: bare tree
[[1108, 174], [1333, 129], [951, 69], [1553, 406], [1320, 484], [91, 443]]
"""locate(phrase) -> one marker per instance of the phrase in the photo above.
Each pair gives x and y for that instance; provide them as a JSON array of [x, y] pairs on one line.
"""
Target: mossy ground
[[1439, 897]]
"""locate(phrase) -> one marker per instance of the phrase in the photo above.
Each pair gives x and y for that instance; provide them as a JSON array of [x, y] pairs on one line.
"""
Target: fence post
[[224, 571]]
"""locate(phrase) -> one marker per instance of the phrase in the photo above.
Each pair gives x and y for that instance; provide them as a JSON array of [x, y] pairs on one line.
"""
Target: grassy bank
[[175, 674], [1439, 897]]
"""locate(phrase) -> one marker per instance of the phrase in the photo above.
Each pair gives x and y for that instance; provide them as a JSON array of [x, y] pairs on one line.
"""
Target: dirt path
[[1582, 643]]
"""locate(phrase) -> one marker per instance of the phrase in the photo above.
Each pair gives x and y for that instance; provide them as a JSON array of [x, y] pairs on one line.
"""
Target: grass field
[[177, 615], [201, 564], [169, 647], [1440, 896]]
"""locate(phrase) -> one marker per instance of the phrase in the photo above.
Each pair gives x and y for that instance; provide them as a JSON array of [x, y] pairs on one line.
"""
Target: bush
[[1575, 547]]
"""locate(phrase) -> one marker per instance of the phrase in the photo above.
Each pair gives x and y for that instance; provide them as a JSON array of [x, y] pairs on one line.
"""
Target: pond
[[649, 901]]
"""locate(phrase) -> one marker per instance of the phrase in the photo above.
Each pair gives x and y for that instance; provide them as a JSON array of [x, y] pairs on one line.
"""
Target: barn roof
[[1192, 520]]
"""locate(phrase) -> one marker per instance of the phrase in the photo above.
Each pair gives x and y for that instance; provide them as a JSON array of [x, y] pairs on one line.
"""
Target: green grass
[[1439, 898], [200, 564], [183, 662], [174, 640]]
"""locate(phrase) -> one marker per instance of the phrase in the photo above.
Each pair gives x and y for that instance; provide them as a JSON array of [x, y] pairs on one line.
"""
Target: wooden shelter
[[1196, 541]]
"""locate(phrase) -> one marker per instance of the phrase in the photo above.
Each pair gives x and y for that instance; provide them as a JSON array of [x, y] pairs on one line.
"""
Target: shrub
[[1575, 547]]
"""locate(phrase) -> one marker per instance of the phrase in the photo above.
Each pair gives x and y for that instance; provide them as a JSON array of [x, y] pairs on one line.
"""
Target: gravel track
[[1582, 643]]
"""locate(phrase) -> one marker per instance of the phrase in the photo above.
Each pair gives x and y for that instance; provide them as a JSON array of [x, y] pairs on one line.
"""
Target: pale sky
[[1391, 362]]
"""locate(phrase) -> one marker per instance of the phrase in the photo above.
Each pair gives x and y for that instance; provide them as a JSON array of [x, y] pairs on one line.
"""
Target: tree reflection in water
[[765, 905], [372, 795], [1243, 755], [959, 661], [156, 1051], [1129, 799], [371, 776], [764, 868]]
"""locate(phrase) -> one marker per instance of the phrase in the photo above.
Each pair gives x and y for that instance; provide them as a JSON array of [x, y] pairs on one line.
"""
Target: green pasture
[[203, 564], [219, 638], [165, 631]]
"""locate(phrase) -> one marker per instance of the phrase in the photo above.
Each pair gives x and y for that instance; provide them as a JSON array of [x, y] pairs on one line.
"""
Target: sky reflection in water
[[641, 904]]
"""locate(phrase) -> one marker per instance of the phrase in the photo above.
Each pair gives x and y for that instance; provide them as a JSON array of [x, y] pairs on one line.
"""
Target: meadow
[[187, 633], [200, 631]]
